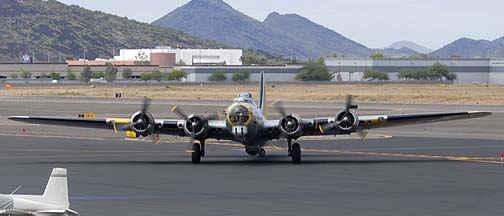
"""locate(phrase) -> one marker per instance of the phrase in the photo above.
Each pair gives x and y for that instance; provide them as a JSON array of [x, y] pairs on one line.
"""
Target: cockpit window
[[244, 98], [239, 115]]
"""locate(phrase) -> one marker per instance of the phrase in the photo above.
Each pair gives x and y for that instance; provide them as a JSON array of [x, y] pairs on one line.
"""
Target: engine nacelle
[[346, 122], [196, 126], [143, 123], [291, 126]]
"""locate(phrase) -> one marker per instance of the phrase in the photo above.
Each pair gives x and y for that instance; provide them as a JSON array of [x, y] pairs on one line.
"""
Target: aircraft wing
[[14, 212], [379, 121], [163, 126], [321, 126]]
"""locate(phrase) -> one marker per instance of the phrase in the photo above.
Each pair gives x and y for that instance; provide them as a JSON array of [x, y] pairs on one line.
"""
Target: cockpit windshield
[[245, 98], [239, 115]]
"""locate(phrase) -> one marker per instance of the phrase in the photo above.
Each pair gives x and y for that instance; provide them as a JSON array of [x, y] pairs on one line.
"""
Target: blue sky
[[432, 23]]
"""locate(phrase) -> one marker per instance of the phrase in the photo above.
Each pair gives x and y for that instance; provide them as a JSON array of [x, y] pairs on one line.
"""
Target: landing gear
[[196, 153], [202, 148], [262, 152], [289, 145], [296, 153]]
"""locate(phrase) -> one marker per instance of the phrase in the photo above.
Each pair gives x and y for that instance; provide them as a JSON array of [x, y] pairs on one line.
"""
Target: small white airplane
[[54, 201]]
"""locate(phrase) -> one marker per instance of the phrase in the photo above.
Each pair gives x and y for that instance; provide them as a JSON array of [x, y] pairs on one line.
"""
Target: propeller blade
[[363, 134], [279, 108], [146, 104], [180, 113]]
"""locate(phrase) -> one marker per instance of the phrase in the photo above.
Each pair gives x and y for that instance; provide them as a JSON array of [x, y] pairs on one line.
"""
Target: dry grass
[[390, 93]]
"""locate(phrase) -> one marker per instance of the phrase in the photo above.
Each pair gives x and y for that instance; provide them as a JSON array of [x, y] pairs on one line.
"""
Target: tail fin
[[56, 191], [262, 95]]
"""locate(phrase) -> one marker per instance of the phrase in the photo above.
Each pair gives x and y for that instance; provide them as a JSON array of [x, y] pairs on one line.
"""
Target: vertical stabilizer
[[56, 191], [262, 95]]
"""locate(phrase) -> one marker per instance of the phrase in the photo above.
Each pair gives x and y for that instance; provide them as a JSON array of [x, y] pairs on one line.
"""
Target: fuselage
[[245, 120]]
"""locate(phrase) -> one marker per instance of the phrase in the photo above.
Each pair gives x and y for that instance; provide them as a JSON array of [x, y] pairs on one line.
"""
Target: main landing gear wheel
[[262, 152], [196, 153], [296, 153]]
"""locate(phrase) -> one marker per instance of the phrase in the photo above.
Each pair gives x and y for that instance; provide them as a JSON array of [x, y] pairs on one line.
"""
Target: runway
[[454, 172]]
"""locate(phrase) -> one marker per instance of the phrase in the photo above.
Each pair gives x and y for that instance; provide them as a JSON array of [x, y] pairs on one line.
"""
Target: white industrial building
[[170, 56]]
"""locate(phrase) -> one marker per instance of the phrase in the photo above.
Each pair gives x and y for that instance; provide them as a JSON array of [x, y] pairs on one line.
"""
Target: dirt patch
[[390, 93]]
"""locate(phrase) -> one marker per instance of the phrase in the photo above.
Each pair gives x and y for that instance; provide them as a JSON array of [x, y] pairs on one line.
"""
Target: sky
[[373, 23]]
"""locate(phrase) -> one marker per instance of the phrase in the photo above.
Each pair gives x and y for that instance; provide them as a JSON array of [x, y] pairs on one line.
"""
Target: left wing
[[330, 126]]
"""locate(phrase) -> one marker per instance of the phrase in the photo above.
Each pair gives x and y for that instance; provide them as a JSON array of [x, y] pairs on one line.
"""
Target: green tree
[[110, 72], [375, 75], [71, 76], [146, 76], [55, 76], [25, 74], [97, 75], [177, 75], [252, 58], [86, 74], [376, 55], [315, 71], [127, 73], [13, 76], [241, 76], [218, 76], [156, 75]]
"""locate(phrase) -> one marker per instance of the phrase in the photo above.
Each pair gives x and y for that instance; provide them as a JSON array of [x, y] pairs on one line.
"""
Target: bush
[[98, 75], [127, 73], [375, 75], [436, 72], [315, 71], [156, 75], [376, 55], [110, 72], [241, 76], [145, 76], [71, 76], [25, 74], [86, 74], [218, 76], [13, 76], [177, 75], [55, 76]]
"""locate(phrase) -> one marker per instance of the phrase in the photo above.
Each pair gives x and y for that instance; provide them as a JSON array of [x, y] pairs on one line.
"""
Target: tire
[[196, 154], [262, 152], [296, 153]]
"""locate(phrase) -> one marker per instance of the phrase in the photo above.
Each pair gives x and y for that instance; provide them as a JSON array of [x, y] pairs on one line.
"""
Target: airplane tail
[[262, 95], [56, 191]]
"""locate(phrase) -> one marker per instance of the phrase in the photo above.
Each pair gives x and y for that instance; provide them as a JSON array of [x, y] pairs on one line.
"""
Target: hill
[[410, 45], [290, 35], [48, 28], [470, 48]]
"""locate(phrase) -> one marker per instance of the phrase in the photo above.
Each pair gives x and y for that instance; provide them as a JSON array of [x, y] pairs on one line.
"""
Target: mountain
[[51, 27], [284, 34], [397, 53], [410, 45], [470, 48]]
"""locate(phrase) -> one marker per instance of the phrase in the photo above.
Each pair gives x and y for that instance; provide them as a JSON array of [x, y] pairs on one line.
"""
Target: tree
[[376, 55], [127, 73], [375, 75], [86, 74], [25, 74], [55, 76], [156, 75], [440, 70], [71, 76], [145, 76], [241, 76], [218, 76], [110, 72], [315, 71], [98, 75], [252, 58], [177, 75]]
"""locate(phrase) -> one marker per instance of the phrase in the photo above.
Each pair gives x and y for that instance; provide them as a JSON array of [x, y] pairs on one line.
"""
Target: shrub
[[241, 76], [71, 76], [375, 75], [315, 71], [177, 75], [218, 76], [86, 74], [25, 74], [110, 72], [98, 75], [55, 76], [127, 73]]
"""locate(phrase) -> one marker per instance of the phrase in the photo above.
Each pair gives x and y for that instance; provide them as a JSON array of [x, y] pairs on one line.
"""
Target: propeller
[[346, 118], [279, 108], [194, 123]]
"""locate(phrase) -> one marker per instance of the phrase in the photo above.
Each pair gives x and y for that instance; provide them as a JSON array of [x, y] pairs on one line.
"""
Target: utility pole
[[84, 54], [59, 59]]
